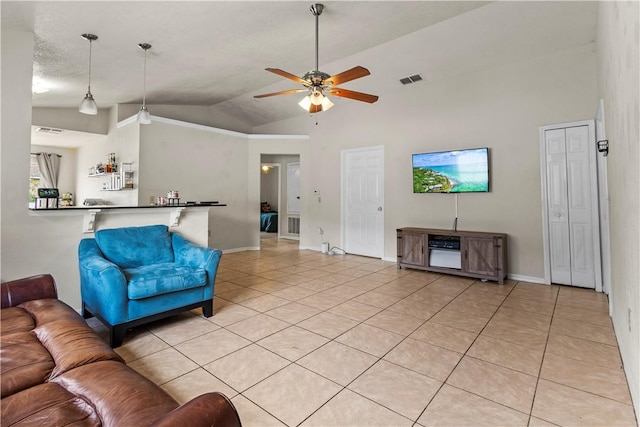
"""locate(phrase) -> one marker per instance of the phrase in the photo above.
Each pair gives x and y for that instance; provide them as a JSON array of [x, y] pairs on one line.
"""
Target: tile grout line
[[302, 260]]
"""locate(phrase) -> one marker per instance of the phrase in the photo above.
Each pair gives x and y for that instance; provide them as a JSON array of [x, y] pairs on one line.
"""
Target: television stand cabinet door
[[485, 257], [411, 250], [479, 255]]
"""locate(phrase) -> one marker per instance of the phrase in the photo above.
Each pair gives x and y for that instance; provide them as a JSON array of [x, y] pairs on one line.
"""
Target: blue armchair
[[135, 275]]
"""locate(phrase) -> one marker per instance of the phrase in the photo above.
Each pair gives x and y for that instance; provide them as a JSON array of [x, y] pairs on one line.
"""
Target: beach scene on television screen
[[451, 171]]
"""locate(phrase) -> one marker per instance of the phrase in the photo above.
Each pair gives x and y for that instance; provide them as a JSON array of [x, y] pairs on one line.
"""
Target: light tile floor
[[303, 338]]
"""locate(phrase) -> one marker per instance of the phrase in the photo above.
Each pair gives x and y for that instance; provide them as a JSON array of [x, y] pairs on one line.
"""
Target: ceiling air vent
[[411, 79], [49, 130]]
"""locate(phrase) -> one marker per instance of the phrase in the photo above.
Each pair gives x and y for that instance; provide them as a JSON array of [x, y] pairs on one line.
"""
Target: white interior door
[[573, 239], [363, 201], [558, 209], [293, 188]]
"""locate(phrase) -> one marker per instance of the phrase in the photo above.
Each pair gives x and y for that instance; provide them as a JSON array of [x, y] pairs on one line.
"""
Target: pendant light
[[88, 105], [143, 115]]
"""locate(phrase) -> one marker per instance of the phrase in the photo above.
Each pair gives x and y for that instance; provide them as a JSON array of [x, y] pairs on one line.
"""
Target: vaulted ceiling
[[213, 53]]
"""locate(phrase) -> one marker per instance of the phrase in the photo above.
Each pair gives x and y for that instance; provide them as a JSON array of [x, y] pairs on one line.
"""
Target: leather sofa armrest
[[18, 291], [207, 410]]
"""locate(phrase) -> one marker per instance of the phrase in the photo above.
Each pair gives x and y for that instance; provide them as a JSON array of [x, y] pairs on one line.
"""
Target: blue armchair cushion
[[131, 247], [157, 279]]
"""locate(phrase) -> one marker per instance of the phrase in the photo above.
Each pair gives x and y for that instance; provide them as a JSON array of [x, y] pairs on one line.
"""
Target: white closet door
[[570, 208], [558, 207], [580, 207]]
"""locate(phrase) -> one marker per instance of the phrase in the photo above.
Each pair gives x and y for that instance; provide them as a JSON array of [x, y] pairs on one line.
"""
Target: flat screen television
[[456, 171]]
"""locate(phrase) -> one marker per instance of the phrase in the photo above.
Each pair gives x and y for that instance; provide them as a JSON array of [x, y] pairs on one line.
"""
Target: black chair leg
[[86, 314], [207, 308], [116, 335]]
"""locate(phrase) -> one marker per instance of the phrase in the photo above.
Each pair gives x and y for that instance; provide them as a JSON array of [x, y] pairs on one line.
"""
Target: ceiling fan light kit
[[144, 117], [316, 82], [88, 104]]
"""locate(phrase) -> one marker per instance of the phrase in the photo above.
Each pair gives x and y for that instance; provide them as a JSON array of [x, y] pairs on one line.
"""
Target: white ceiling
[[214, 52]]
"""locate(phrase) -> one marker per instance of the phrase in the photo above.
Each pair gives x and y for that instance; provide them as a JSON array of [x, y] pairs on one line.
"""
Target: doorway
[[270, 186], [363, 201], [281, 192], [570, 205]]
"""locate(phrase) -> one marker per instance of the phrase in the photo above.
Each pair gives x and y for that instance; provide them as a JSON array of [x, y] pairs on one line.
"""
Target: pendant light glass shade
[[144, 118], [326, 104], [305, 103], [88, 105], [315, 102]]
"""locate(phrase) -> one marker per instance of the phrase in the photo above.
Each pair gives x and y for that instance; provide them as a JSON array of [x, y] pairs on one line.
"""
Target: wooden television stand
[[474, 254]]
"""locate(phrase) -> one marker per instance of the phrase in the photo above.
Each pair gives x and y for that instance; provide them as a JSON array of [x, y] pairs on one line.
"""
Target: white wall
[[72, 119], [203, 166], [30, 244], [500, 108], [619, 87]]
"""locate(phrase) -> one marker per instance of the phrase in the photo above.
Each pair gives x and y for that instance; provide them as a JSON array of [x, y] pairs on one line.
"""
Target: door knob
[[379, 208]]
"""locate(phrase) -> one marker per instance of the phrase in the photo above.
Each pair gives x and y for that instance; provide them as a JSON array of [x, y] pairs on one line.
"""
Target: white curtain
[[49, 164]]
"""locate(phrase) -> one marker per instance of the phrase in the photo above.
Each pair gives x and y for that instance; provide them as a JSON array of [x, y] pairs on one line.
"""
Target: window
[[34, 179]]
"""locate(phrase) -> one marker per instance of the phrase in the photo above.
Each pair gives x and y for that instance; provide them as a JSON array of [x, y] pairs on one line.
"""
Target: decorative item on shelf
[[127, 175], [47, 198], [66, 199], [173, 198]]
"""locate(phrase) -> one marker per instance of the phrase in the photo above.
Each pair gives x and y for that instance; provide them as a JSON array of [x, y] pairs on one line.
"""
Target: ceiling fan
[[317, 82]]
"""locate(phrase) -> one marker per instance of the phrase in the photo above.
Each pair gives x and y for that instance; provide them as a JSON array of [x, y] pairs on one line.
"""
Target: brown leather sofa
[[56, 371]]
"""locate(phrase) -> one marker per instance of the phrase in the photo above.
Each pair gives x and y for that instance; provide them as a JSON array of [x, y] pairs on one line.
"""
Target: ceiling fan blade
[[288, 76], [351, 94], [347, 76], [283, 92]]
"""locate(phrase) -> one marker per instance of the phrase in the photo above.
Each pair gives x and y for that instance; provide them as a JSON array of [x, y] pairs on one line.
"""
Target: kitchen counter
[[181, 205], [111, 216]]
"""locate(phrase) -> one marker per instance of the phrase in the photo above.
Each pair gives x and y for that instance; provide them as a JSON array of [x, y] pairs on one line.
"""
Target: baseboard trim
[[522, 278], [248, 248]]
